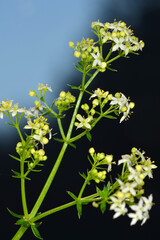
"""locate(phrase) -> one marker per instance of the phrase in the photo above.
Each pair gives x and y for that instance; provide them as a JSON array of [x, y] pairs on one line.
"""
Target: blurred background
[[34, 49]]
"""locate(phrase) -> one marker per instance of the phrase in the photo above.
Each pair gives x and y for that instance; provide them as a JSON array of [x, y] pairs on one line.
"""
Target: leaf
[[74, 87], [88, 135], [14, 214], [78, 68], [16, 158], [18, 175], [72, 195], [79, 209], [83, 175], [58, 139], [36, 232], [72, 145], [10, 124], [110, 116], [111, 69], [103, 206]]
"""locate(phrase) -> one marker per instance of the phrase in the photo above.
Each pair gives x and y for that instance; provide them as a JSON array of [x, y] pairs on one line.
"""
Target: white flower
[[120, 210], [99, 93], [16, 110], [119, 44], [121, 101], [97, 59], [126, 159], [99, 24], [84, 122], [44, 87], [134, 175], [141, 210], [128, 187], [116, 202], [148, 202], [148, 166]]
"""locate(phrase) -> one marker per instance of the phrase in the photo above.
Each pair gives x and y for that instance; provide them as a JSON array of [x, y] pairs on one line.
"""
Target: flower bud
[[77, 54], [71, 44], [32, 93]]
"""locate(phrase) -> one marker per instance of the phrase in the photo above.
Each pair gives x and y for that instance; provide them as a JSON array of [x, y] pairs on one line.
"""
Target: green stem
[[113, 59], [19, 233], [90, 198], [23, 193], [91, 79], [59, 159], [48, 182], [61, 128]]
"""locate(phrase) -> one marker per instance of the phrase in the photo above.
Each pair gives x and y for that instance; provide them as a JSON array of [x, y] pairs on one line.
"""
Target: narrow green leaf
[[72, 145], [83, 175], [74, 87], [88, 135], [110, 116], [14, 214], [58, 140], [78, 68], [36, 232], [72, 195], [79, 209], [16, 158], [111, 69], [103, 206], [10, 124]]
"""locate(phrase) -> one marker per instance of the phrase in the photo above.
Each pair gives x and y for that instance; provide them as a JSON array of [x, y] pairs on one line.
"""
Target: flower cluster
[[99, 160], [39, 129], [7, 106], [120, 35], [123, 105], [65, 101], [130, 187]]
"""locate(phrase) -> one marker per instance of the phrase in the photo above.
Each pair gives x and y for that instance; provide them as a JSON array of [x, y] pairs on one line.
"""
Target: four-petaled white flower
[[84, 122], [118, 44], [97, 59]]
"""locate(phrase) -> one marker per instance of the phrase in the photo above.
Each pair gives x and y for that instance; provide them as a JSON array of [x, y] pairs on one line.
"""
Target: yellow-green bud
[[122, 33], [134, 150], [109, 96], [138, 168], [31, 165], [131, 104], [103, 65], [117, 95], [92, 112], [114, 34], [123, 109], [46, 127], [37, 103], [91, 150], [141, 43], [44, 140], [109, 159], [77, 54], [96, 49], [32, 93], [71, 44], [41, 152], [62, 94], [120, 194], [95, 102]]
